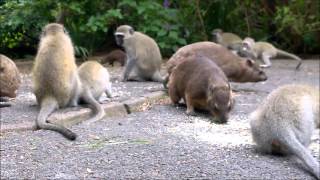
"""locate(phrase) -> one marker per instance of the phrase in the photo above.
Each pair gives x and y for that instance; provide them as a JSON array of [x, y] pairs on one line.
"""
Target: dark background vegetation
[[293, 25]]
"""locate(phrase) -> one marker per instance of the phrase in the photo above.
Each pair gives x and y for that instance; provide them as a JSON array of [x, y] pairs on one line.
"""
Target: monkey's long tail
[[284, 53], [95, 106], [295, 147], [48, 105]]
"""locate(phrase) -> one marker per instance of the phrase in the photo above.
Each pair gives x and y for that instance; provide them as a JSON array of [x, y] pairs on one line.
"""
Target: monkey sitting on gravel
[[116, 55], [56, 82], [202, 85], [10, 80], [143, 55], [96, 78], [284, 123]]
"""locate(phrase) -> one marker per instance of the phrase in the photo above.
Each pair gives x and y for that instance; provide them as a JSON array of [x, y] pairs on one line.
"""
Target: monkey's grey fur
[[56, 80], [143, 55], [284, 123]]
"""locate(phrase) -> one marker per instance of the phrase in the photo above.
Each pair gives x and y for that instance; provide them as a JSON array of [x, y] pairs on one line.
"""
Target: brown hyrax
[[10, 79], [115, 56], [96, 77], [237, 69], [202, 85]]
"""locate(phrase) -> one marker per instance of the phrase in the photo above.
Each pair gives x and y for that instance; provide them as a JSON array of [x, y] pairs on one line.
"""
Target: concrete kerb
[[72, 116]]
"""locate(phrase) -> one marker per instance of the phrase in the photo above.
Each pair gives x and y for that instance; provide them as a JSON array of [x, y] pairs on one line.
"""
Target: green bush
[[292, 26]]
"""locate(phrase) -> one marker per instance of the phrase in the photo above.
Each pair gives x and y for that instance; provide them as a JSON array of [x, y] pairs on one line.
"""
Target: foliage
[[293, 26]]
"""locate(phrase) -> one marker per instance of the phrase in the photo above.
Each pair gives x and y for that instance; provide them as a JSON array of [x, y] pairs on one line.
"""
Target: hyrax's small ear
[[131, 31], [250, 62]]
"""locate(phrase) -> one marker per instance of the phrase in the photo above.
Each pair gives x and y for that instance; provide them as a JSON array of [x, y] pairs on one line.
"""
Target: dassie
[[202, 85], [10, 79], [237, 69]]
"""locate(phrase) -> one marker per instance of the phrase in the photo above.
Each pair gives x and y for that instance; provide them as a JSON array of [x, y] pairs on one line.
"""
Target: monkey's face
[[220, 103], [123, 32]]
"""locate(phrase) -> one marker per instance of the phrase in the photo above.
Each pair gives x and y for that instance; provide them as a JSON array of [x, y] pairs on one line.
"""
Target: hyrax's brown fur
[[235, 68], [115, 56], [202, 85], [10, 79]]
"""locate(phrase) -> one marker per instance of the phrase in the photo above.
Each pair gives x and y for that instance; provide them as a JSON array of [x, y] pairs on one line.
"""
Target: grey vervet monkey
[[226, 39], [285, 121], [96, 78], [56, 82], [10, 80], [264, 51], [143, 55]]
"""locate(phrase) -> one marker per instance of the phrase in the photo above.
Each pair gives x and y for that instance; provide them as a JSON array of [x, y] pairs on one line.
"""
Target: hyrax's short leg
[[266, 60], [190, 108], [174, 96]]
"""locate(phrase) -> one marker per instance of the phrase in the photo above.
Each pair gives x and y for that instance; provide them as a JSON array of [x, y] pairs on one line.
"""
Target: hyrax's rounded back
[[55, 70], [9, 77], [95, 76], [235, 68], [201, 82]]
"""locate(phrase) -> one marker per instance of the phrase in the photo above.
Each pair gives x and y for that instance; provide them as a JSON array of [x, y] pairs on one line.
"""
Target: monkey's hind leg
[[94, 105], [266, 60], [157, 77], [295, 147], [109, 91], [48, 105]]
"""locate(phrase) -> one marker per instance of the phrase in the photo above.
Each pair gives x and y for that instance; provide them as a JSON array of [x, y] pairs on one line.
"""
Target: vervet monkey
[[226, 39], [10, 79], [284, 123], [236, 69], [96, 78], [265, 51], [143, 55], [115, 56], [202, 85], [56, 82]]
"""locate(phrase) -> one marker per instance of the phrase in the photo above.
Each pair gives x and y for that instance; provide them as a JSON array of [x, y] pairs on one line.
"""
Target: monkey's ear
[[131, 31], [250, 62], [65, 30]]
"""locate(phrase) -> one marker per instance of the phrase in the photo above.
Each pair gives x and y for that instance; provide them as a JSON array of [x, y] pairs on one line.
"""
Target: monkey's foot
[[265, 65]]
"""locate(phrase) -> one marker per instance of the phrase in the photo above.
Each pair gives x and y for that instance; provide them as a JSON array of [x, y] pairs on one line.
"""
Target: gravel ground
[[161, 143], [26, 101]]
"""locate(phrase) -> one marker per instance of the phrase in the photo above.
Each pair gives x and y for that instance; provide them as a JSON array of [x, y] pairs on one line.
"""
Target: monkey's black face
[[119, 39]]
